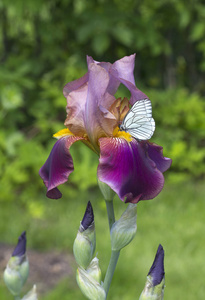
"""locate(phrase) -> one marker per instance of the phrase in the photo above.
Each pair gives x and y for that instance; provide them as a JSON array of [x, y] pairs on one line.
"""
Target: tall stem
[[17, 298], [110, 270], [110, 213], [114, 254]]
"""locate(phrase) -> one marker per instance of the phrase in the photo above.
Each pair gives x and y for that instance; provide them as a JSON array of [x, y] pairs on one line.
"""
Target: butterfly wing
[[138, 121]]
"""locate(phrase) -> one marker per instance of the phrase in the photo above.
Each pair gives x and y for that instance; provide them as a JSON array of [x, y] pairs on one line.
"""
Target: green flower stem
[[110, 213], [114, 254], [17, 298], [110, 270]]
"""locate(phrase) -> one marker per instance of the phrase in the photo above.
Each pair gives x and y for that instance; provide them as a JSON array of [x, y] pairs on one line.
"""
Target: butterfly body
[[138, 122]]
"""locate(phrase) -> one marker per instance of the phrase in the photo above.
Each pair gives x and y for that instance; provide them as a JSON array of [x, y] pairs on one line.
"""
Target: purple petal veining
[[128, 170], [58, 166]]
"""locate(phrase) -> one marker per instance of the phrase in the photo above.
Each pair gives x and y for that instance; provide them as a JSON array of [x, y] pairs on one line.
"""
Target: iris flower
[[132, 168]]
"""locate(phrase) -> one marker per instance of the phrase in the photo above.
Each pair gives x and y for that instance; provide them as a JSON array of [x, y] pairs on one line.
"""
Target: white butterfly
[[138, 122]]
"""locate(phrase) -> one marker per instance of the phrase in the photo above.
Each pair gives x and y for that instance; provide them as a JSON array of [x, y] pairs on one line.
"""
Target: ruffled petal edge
[[58, 166], [127, 168]]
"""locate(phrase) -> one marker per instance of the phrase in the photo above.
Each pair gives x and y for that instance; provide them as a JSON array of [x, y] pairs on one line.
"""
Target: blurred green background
[[43, 45]]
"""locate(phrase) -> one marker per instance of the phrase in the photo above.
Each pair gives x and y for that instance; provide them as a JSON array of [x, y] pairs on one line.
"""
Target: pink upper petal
[[76, 95], [76, 101], [136, 94], [123, 71], [58, 166], [125, 68], [128, 170], [98, 100], [89, 98], [113, 82], [74, 85]]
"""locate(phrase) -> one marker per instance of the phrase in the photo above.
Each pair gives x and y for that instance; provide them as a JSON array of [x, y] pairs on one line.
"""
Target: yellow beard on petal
[[67, 132], [61, 133], [122, 134]]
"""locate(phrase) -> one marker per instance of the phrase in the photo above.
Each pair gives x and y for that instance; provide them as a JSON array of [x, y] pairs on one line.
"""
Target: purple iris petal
[[157, 269], [74, 85], [76, 109], [58, 166], [76, 95], [20, 249], [128, 170], [122, 68], [104, 80], [155, 152], [98, 100], [136, 94], [90, 97], [123, 71], [125, 68]]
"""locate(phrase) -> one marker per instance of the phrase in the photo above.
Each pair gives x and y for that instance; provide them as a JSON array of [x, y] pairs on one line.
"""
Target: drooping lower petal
[[128, 170], [155, 152], [58, 166]]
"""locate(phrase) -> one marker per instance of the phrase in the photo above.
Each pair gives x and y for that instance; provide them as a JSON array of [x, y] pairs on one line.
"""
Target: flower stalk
[[110, 270], [114, 254], [121, 232], [110, 213]]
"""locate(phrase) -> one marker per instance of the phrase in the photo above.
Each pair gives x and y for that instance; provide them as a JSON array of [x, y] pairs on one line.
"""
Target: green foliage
[[180, 128]]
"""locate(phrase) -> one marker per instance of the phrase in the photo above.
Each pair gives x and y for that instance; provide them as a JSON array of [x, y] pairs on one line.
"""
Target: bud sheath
[[94, 269], [32, 295], [16, 272], [89, 286], [155, 283], [85, 242], [124, 230]]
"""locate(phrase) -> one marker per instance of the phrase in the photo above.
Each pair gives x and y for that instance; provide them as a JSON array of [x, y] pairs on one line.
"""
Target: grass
[[175, 219]]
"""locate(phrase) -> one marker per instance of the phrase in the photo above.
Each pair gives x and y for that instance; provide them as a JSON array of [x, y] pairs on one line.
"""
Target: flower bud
[[124, 230], [32, 295], [89, 286], [85, 242], [16, 272], [154, 286], [107, 192], [94, 269]]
